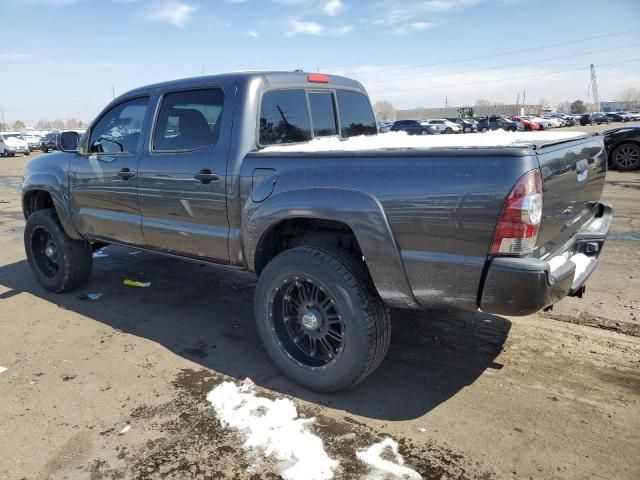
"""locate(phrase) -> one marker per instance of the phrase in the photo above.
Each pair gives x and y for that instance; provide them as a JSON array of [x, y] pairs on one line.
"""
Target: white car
[[33, 141], [443, 125], [14, 144], [555, 122]]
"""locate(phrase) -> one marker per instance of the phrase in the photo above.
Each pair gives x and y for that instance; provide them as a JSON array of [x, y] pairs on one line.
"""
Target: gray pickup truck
[[189, 168]]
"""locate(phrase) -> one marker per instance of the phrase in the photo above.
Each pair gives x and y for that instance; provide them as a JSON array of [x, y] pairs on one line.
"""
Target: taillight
[[519, 224]]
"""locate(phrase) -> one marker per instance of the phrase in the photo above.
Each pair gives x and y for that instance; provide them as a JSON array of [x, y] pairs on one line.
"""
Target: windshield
[[11, 135]]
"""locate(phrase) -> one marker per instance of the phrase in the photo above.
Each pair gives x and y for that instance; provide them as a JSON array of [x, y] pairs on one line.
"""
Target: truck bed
[[403, 141]]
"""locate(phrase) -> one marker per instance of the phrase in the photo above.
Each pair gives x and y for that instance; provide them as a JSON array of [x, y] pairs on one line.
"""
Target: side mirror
[[68, 141]]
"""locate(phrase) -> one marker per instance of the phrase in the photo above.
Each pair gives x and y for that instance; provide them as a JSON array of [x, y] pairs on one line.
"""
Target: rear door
[[103, 183], [181, 182]]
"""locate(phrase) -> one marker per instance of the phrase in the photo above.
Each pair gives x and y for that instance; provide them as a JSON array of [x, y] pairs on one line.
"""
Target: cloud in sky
[[172, 12], [15, 57], [333, 7], [300, 27], [411, 27]]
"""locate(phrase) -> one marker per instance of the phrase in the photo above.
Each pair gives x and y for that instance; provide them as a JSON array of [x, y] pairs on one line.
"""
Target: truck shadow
[[205, 314]]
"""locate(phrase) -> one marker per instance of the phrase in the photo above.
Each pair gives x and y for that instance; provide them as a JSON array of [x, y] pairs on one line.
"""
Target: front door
[[181, 181], [103, 183]]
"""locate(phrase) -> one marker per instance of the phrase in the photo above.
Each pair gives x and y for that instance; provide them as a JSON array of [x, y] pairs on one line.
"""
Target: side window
[[118, 131], [284, 117], [188, 120], [323, 114], [356, 115]]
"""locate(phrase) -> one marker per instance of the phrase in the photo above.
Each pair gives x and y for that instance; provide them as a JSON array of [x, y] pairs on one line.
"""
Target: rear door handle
[[206, 176], [126, 174]]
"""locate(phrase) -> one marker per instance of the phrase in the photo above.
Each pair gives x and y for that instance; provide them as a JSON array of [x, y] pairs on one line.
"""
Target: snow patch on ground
[[272, 428], [3, 369], [379, 468], [401, 140]]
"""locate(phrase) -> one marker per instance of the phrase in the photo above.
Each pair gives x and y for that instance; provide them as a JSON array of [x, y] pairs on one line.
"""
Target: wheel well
[[619, 144], [36, 200], [303, 231]]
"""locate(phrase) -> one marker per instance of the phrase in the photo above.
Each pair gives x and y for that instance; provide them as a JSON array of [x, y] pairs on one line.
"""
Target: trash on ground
[[3, 369], [381, 468], [91, 297], [100, 254], [135, 283], [272, 428], [125, 429], [422, 430], [247, 385]]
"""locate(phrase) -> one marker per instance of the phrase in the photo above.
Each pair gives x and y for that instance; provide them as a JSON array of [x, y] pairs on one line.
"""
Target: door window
[[188, 120], [118, 131]]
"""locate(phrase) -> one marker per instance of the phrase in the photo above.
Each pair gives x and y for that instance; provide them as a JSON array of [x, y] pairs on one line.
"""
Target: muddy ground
[[552, 395]]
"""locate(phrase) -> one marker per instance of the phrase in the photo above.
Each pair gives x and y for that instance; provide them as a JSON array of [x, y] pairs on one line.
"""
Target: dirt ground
[[550, 396]]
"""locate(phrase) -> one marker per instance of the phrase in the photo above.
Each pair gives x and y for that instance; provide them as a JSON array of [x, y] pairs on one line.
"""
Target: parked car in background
[[616, 117], [469, 125], [528, 125], [412, 127], [33, 141], [384, 126], [49, 142], [569, 120], [496, 123], [543, 123], [15, 144], [442, 125], [623, 147], [554, 121], [3, 147], [597, 118]]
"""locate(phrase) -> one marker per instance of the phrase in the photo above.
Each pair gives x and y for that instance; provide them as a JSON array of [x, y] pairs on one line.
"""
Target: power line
[[512, 52], [550, 59], [505, 78]]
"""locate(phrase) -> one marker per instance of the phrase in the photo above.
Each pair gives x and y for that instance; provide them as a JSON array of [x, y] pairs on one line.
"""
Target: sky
[[66, 58]]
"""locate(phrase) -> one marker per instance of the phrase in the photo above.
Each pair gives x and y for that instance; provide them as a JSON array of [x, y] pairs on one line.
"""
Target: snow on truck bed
[[401, 140]]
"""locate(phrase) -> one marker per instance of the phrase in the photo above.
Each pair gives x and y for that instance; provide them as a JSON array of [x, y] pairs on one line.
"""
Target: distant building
[[618, 105]]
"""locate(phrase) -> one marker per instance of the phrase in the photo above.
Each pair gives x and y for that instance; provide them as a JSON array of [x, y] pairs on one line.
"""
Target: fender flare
[[360, 211], [51, 184]]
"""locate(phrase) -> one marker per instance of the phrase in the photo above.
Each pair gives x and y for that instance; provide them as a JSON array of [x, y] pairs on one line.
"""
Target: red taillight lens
[[318, 78], [519, 224]]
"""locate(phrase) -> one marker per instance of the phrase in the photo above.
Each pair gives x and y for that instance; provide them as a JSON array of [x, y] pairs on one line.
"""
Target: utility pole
[[517, 103], [524, 97], [446, 102], [2, 110], [113, 91], [594, 87]]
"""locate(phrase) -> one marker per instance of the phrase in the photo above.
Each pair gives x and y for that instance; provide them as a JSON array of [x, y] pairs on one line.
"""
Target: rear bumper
[[521, 286]]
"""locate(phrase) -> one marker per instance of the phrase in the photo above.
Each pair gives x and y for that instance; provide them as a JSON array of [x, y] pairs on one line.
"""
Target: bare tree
[[43, 124], [631, 95], [543, 103], [384, 110], [57, 124], [73, 124], [482, 102], [564, 107], [19, 125]]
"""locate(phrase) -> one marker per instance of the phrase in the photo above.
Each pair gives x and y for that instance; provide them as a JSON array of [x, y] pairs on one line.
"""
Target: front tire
[[626, 157], [59, 262], [320, 318]]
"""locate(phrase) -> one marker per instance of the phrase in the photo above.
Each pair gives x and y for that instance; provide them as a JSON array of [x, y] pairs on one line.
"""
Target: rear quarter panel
[[441, 207]]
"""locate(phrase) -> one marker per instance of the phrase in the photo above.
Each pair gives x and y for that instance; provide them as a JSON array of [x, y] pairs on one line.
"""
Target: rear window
[[323, 114], [297, 115], [356, 115], [284, 117]]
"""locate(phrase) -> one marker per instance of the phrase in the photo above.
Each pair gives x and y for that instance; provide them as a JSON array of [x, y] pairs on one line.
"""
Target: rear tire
[[484, 129], [626, 157], [323, 296], [59, 262], [448, 130]]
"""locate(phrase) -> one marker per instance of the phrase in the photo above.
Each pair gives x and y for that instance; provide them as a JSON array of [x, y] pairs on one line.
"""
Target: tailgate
[[573, 176]]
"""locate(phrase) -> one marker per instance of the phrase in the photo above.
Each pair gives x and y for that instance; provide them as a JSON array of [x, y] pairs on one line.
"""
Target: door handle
[[206, 176], [126, 174]]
